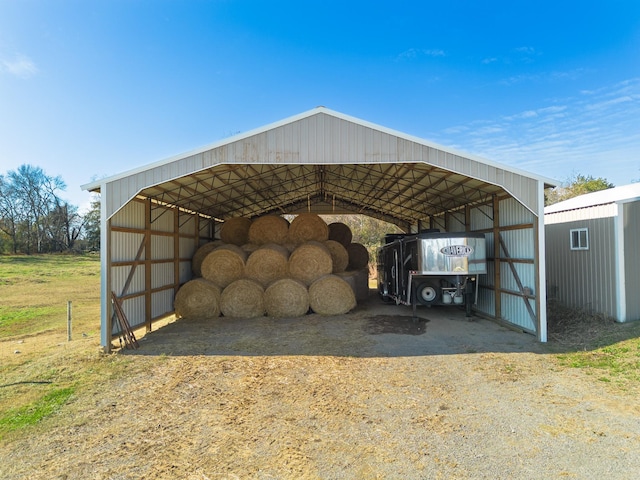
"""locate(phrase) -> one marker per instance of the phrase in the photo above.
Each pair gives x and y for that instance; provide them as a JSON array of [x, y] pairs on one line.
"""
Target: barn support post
[[540, 267], [176, 249], [620, 274], [147, 265], [496, 258], [105, 274]]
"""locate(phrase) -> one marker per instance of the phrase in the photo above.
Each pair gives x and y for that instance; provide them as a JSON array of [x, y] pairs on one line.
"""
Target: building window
[[579, 239]]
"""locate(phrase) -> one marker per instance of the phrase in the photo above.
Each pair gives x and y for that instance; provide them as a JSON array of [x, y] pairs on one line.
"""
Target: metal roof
[[623, 193], [324, 162]]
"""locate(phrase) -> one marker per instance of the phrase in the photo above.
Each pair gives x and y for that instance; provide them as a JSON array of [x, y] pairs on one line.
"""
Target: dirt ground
[[362, 396]]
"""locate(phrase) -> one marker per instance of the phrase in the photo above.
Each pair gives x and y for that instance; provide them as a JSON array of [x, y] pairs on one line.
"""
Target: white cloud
[[19, 66], [413, 53], [595, 133]]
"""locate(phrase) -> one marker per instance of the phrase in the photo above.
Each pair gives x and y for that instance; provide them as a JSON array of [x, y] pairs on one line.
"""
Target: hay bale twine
[[340, 232], [269, 229], [358, 280], [243, 298], [308, 226], [224, 265], [198, 298], [339, 255], [358, 256], [267, 263], [309, 261], [331, 295], [235, 230], [286, 298]]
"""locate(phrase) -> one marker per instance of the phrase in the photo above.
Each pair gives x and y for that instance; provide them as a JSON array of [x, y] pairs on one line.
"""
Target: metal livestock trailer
[[432, 268]]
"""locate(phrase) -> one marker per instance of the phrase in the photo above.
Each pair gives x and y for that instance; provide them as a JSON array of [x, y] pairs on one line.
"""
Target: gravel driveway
[[361, 396]]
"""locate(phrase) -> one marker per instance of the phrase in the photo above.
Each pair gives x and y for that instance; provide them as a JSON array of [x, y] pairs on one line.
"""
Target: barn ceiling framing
[[398, 193]]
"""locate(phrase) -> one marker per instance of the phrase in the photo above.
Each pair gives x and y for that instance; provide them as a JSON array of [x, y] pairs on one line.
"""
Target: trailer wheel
[[427, 293]]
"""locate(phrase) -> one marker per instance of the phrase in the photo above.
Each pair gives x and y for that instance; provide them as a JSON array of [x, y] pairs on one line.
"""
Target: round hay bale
[[308, 226], [286, 298], [340, 232], [339, 255], [235, 230], [200, 254], [358, 256], [198, 298], [224, 265], [242, 298], [269, 229], [267, 263], [331, 295], [309, 261]]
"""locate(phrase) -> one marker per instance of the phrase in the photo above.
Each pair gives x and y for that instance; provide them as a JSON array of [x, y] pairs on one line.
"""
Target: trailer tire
[[428, 293]]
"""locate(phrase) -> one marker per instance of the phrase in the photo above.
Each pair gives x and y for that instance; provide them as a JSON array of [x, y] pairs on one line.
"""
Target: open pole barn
[[153, 218], [593, 260]]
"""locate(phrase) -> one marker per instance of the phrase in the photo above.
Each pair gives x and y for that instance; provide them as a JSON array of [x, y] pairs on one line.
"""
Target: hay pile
[[235, 230], [306, 227], [331, 295], [341, 233], [201, 252], [286, 298], [198, 298], [269, 229], [224, 265], [310, 261], [268, 266], [267, 263], [358, 256]]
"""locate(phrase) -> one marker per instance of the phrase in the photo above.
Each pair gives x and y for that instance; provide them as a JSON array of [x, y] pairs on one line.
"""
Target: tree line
[[34, 218]]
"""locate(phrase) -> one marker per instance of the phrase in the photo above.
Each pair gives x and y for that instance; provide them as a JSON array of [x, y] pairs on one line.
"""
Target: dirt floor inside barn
[[360, 396]]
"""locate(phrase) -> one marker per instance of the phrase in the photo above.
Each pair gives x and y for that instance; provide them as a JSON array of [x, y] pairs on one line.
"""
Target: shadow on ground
[[373, 329]]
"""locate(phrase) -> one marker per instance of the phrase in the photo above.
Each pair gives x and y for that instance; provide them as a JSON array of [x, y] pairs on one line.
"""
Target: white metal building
[[593, 259], [153, 218]]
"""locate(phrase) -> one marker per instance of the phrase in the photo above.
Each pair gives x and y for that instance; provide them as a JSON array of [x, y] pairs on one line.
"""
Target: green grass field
[[40, 371]]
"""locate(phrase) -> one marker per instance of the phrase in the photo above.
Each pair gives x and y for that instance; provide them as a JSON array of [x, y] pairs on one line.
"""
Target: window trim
[[579, 245]]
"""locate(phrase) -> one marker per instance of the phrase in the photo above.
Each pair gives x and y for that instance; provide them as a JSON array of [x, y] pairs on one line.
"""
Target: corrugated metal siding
[[515, 312], [125, 245], [162, 219], [186, 273], [520, 243], [317, 139], [514, 213], [161, 303], [161, 247], [130, 216], [583, 278], [632, 258], [161, 275], [186, 223], [187, 247], [119, 277], [598, 211], [125, 242], [456, 222], [482, 218]]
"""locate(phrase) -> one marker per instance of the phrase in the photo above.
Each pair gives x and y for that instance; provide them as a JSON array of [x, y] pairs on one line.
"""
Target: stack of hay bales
[[268, 266]]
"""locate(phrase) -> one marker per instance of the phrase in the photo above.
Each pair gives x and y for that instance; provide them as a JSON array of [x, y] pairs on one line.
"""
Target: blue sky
[[89, 89]]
